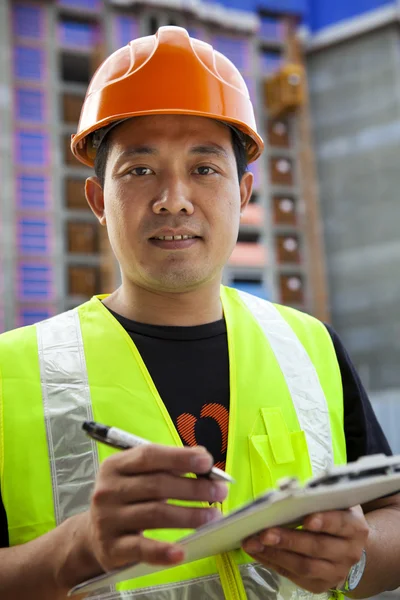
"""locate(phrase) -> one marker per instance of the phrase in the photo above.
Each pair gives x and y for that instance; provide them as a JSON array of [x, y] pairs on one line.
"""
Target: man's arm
[[383, 548], [45, 568], [363, 433]]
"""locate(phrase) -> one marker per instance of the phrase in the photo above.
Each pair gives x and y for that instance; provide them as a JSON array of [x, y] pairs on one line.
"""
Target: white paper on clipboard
[[340, 487]]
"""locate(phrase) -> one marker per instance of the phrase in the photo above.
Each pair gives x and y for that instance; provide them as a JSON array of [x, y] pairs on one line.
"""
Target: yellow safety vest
[[285, 419]]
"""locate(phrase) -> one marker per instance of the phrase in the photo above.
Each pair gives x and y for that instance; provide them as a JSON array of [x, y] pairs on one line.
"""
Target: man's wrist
[[355, 575], [76, 561]]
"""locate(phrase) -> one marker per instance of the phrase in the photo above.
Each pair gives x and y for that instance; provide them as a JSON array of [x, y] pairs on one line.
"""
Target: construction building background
[[325, 81]]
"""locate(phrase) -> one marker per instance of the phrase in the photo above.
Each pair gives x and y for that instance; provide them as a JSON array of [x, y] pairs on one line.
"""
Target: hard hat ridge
[[166, 73]]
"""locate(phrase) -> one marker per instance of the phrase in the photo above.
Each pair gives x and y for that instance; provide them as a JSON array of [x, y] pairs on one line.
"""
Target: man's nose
[[174, 198]]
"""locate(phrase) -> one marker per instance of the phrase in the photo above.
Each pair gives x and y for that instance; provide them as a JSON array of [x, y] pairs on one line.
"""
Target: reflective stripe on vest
[[301, 378], [258, 581], [64, 381], [73, 458]]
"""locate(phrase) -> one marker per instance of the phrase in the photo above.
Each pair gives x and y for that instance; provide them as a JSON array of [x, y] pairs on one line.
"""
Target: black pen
[[117, 438]]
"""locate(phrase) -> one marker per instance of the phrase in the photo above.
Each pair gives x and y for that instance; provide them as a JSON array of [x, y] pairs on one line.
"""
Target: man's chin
[[180, 282]]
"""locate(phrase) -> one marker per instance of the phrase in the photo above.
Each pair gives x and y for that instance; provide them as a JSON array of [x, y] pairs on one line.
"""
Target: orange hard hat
[[165, 73]]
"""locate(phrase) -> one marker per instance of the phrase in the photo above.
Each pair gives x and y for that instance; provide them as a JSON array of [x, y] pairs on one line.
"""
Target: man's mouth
[[174, 242], [169, 238]]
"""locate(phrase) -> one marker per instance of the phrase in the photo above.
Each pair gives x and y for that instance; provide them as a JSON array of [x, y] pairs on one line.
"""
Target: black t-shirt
[[190, 368]]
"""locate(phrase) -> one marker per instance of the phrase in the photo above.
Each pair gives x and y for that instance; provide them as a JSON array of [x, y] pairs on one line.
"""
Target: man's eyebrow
[[208, 149], [137, 151], [213, 149]]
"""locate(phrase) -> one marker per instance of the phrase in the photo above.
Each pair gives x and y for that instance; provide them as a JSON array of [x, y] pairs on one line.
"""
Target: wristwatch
[[355, 574]]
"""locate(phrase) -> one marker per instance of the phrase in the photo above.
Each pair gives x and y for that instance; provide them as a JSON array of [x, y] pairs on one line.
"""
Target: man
[[174, 358]]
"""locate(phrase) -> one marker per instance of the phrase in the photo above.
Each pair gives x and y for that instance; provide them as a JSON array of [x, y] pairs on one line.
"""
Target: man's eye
[[205, 170], [140, 171]]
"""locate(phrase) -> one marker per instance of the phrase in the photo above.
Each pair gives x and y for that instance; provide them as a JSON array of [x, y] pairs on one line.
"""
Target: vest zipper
[[231, 580]]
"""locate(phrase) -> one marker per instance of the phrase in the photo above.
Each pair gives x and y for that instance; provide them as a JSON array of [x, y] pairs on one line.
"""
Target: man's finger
[[294, 566], [121, 490], [318, 545], [341, 523], [161, 515], [135, 548], [152, 458], [314, 584]]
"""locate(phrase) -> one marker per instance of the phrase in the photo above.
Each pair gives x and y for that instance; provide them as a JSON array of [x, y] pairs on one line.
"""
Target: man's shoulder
[[288, 313], [17, 335], [300, 316], [312, 333], [28, 334], [25, 337]]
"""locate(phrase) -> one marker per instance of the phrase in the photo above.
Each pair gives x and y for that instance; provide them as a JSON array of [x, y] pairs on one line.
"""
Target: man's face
[[169, 176]]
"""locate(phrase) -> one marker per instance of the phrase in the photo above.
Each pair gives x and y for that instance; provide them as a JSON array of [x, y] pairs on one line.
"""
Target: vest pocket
[[278, 453]]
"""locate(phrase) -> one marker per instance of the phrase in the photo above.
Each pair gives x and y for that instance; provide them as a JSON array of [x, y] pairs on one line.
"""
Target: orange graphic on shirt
[[186, 426]]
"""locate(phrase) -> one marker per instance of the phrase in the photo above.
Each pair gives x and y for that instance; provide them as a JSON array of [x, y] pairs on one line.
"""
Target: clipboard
[[337, 488]]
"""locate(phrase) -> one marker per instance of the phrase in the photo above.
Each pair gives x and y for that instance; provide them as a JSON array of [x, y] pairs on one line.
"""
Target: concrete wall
[[355, 97]]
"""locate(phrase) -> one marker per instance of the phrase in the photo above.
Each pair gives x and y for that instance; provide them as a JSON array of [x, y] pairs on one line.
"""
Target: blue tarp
[[318, 14], [323, 13], [295, 6]]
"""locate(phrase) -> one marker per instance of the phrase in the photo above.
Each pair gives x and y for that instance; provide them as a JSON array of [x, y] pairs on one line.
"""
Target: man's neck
[[184, 309]]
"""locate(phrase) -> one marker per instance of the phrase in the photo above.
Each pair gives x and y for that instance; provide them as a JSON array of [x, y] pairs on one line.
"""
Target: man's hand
[[131, 494], [318, 557]]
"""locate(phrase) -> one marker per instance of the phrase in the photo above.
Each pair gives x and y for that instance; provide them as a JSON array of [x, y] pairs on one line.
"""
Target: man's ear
[[246, 189], [95, 198]]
